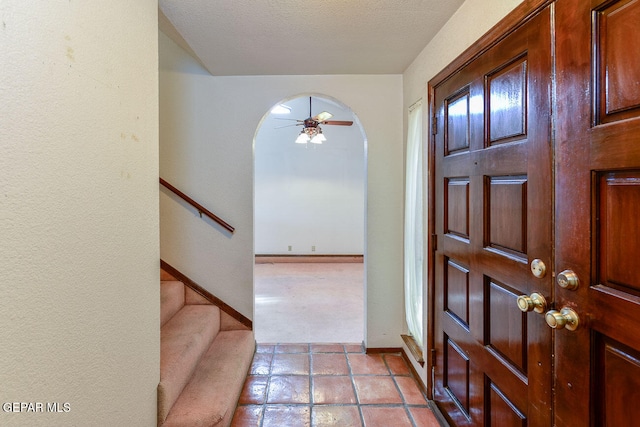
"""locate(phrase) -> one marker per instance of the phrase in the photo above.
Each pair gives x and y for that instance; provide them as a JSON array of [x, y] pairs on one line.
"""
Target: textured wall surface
[[79, 213]]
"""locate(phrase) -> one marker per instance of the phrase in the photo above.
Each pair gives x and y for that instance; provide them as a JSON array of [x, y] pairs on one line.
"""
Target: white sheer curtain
[[413, 228]]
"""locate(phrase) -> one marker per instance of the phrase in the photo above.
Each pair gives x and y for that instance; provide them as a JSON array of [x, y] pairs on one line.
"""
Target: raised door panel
[[456, 217], [456, 293], [618, 230], [506, 214], [457, 123], [506, 103], [617, 379], [502, 412], [456, 377], [506, 334], [617, 65]]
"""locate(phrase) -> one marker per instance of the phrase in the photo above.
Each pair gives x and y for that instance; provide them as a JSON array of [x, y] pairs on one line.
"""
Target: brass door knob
[[565, 318], [568, 280], [536, 302]]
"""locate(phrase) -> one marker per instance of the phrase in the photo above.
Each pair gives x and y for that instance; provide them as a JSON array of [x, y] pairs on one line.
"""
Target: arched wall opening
[[310, 205]]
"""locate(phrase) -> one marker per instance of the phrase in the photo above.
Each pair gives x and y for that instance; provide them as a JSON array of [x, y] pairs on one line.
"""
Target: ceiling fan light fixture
[[303, 138], [311, 131], [319, 138]]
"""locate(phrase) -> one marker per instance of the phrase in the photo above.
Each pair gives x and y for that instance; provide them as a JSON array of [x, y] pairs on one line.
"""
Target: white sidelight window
[[413, 225]]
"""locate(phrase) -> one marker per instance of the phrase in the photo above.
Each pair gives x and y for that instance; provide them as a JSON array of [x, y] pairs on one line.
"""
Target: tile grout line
[[404, 400], [310, 387], [266, 391], [353, 386]]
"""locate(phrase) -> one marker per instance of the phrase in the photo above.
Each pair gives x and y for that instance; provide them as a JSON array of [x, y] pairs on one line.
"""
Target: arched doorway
[[309, 225]]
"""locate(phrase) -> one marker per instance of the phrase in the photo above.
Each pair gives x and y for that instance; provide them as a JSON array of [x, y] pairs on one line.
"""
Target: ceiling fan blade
[[325, 115], [293, 120], [337, 122], [288, 126]]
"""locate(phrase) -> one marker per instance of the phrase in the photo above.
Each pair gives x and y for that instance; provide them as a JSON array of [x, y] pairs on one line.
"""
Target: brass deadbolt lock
[[538, 268]]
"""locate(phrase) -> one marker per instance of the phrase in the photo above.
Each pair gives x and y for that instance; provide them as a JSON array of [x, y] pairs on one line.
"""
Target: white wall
[[79, 211], [469, 23], [309, 198], [207, 128]]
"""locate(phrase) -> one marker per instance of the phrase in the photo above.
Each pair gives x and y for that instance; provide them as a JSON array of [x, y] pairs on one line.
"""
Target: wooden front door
[[493, 193], [536, 154], [598, 212]]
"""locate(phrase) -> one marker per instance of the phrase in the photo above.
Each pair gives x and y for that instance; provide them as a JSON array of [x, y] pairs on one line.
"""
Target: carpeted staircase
[[205, 356]]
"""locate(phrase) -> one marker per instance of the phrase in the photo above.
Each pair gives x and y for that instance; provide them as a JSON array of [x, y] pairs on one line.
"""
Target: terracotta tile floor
[[317, 385]]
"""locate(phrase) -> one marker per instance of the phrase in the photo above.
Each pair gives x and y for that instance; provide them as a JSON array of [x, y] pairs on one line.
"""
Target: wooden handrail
[[201, 209]]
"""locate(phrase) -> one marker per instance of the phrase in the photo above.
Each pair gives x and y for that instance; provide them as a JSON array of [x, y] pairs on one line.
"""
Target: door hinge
[[434, 242], [434, 125], [433, 357]]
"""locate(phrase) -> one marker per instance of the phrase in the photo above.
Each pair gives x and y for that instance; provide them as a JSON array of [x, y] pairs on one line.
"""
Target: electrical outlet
[[313, 248], [289, 248]]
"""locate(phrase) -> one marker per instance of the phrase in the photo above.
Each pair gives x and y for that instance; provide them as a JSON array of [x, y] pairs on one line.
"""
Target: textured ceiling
[[290, 37]]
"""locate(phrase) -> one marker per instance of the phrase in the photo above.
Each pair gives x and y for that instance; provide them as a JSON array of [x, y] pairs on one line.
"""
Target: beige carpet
[[309, 302]]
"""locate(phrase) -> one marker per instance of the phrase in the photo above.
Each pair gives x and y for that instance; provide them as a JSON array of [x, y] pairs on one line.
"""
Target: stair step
[[211, 395], [171, 299], [183, 341]]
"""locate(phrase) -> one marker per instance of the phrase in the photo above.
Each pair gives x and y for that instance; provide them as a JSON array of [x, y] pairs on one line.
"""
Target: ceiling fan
[[311, 131]]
